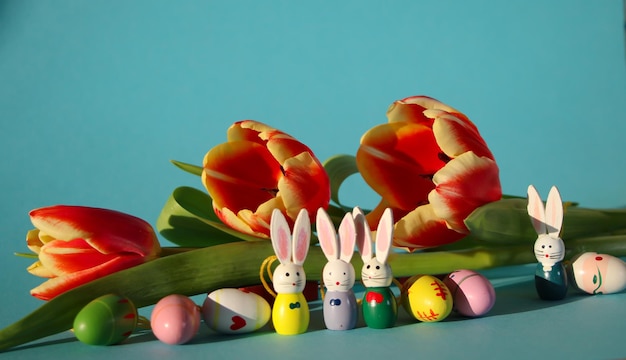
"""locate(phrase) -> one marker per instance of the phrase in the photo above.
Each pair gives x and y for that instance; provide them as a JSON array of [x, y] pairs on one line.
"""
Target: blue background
[[97, 96]]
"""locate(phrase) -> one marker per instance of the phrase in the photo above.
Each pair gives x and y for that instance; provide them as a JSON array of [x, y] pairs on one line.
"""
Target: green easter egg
[[106, 320]]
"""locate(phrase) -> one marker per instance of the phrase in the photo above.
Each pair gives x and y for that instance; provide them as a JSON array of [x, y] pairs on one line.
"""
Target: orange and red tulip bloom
[[429, 164], [77, 244], [259, 169]]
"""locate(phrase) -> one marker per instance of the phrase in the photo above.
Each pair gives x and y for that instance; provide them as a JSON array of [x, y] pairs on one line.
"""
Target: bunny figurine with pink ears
[[290, 313], [340, 305], [380, 309], [550, 274]]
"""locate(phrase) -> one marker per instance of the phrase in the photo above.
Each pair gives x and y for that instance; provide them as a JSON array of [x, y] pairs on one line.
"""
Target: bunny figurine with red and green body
[[379, 307]]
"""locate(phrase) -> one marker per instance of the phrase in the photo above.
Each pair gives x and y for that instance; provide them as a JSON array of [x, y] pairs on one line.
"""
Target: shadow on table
[[522, 297]]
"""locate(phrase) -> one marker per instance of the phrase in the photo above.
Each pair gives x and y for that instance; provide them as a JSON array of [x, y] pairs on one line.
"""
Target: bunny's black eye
[[298, 273], [369, 266], [286, 274], [377, 267], [543, 246]]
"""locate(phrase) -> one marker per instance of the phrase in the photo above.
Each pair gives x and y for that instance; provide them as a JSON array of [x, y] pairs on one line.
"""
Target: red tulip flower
[[77, 244], [432, 167], [259, 169]]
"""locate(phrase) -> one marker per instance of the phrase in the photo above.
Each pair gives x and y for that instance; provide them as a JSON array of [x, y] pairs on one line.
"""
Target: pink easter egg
[[175, 319], [472, 292]]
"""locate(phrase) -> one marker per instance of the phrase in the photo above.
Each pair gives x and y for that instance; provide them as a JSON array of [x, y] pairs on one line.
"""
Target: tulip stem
[[174, 250], [27, 255]]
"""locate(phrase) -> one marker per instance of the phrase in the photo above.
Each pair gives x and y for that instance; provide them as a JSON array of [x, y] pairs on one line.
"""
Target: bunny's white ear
[[281, 237], [363, 234], [554, 212], [301, 237], [347, 237], [327, 235], [536, 211], [384, 236]]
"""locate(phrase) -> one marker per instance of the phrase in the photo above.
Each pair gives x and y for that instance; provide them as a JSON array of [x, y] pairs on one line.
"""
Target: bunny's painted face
[[375, 274], [338, 276], [549, 250], [289, 279]]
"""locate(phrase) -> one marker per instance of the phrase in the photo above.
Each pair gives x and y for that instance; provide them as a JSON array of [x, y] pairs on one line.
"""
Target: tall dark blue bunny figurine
[[550, 275]]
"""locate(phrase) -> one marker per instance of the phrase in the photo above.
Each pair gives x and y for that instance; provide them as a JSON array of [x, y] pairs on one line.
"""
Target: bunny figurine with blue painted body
[[290, 313], [379, 307], [550, 274], [340, 305]]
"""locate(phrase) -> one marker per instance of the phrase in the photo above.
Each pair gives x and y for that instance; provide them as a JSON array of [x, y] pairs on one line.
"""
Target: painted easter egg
[[106, 320], [472, 293], [235, 311], [175, 319], [599, 273], [427, 298]]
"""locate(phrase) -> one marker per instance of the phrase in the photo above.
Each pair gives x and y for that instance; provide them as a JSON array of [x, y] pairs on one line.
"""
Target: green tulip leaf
[[506, 221], [188, 220], [192, 169], [339, 168]]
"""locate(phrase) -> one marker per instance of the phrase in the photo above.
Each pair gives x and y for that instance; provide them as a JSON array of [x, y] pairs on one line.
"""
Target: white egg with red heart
[[235, 311]]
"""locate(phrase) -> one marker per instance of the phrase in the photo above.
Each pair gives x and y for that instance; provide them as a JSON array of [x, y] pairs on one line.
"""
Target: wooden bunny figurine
[[550, 274], [380, 309], [340, 305], [290, 313]]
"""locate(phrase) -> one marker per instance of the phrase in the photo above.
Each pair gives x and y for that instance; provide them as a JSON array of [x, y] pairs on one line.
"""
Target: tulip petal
[[400, 111], [464, 184], [244, 221], [240, 175], [304, 186], [284, 147], [33, 242], [411, 109], [456, 136], [108, 231], [251, 130], [422, 228], [38, 269], [65, 257], [398, 161], [55, 286]]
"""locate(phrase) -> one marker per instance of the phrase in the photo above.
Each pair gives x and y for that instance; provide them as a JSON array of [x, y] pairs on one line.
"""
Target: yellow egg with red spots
[[427, 298]]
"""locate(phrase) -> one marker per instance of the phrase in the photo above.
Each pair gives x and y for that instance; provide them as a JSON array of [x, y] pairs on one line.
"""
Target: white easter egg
[[235, 311], [599, 273]]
